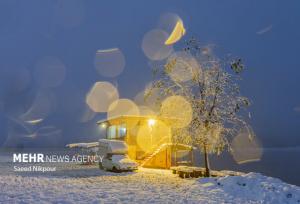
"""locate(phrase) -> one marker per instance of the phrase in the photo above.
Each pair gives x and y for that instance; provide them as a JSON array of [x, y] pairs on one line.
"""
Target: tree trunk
[[207, 167]]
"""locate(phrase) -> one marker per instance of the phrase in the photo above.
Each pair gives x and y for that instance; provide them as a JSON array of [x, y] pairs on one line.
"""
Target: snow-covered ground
[[87, 184], [73, 183]]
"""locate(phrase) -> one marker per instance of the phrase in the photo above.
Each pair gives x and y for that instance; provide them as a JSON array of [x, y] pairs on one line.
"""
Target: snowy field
[[87, 184]]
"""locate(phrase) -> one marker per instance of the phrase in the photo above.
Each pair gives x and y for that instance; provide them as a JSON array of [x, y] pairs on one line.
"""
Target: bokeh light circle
[[245, 147], [150, 97], [110, 62], [146, 111], [101, 95], [173, 25], [154, 45], [177, 108], [168, 21], [183, 66], [122, 107]]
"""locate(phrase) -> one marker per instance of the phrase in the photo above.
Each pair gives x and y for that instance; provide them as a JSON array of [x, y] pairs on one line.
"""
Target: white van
[[115, 156]]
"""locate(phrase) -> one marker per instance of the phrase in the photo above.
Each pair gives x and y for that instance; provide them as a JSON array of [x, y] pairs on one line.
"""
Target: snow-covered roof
[[83, 145], [136, 117], [116, 146]]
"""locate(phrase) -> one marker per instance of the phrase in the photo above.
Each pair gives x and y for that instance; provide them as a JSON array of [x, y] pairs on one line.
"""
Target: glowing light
[[151, 122], [176, 34], [109, 62], [151, 137], [103, 125], [154, 46], [34, 121], [178, 108], [108, 50], [101, 96]]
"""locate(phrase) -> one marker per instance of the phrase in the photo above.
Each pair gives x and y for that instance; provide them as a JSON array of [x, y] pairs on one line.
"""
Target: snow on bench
[[195, 172]]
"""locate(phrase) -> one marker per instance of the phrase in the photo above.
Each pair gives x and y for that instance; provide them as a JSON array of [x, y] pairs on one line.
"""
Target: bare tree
[[211, 87]]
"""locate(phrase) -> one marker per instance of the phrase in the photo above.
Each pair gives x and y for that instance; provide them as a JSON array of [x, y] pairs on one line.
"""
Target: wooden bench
[[196, 172], [175, 169], [187, 171]]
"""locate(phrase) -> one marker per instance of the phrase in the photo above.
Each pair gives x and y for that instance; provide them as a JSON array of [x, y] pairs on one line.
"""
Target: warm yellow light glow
[[150, 138], [151, 122], [179, 109], [103, 125], [176, 34], [123, 107]]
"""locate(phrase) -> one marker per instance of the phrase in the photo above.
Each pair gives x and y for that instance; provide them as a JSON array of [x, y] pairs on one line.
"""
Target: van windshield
[[118, 157]]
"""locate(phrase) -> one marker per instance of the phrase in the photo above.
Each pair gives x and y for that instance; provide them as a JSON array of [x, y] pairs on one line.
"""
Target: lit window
[[112, 132], [122, 130]]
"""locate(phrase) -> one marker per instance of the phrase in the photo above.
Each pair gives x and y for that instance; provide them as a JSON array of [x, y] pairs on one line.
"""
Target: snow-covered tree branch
[[211, 87]]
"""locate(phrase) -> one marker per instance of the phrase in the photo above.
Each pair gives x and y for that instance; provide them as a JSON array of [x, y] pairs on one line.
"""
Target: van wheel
[[114, 169], [101, 166]]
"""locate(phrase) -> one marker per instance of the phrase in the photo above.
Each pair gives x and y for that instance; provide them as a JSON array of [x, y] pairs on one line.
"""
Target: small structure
[[149, 140]]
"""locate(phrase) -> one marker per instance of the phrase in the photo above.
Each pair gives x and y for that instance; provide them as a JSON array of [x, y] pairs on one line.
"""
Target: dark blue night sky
[[265, 34]]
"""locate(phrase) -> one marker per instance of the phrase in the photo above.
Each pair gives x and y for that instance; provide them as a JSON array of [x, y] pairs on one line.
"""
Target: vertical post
[[175, 155], [207, 168], [192, 155], [151, 135], [166, 157]]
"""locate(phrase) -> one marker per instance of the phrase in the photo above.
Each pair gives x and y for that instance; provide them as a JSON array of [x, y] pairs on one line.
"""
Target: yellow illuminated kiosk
[[149, 140]]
